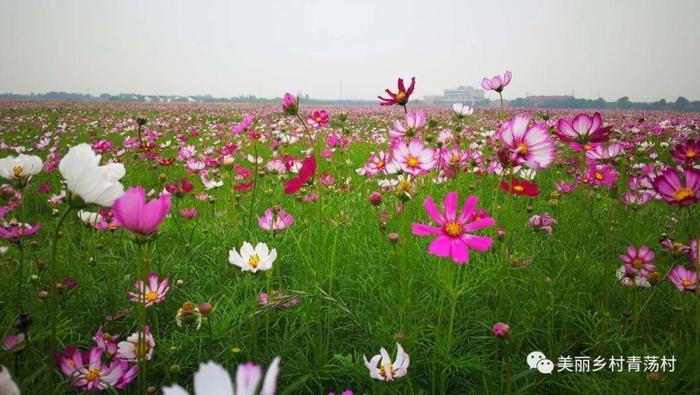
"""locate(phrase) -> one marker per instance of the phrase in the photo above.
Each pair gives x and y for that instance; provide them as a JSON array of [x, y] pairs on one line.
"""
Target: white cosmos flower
[[86, 178], [89, 217], [7, 386], [213, 379], [381, 368], [21, 167], [253, 259], [462, 109]]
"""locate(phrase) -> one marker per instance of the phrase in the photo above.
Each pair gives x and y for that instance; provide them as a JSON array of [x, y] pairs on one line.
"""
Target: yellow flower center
[[106, 337], [151, 296], [400, 97], [686, 282], [412, 161], [518, 188], [254, 261], [598, 175], [523, 148], [587, 147], [453, 229], [690, 154], [93, 374], [454, 158], [682, 194], [380, 164], [318, 119], [17, 171], [382, 372], [637, 262]]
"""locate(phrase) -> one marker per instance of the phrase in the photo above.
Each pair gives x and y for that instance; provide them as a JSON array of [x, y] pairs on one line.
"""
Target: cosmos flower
[[415, 121], [318, 119], [639, 261], [213, 379], [106, 342], [14, 230], [132, 211], [604, 153], [243, 125], [7, 385], [631, 278], [89, 181], [521, 188], [253, 259], [93, 374], [583, 131], [151, 293], [529, 146], [683, 279], [687, 153], [382, 368], [128, 350], [674, 191], [20, 168], [414, 158], [275, 219], [497, 83], [179, 188], [189, 314], [400, 97], [462, 110], [306, 173], [290, 104], [542, 222], [454, 234], [601, 175]]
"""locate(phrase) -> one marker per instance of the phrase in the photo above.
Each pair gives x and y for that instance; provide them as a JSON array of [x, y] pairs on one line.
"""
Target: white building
[[461, 94]]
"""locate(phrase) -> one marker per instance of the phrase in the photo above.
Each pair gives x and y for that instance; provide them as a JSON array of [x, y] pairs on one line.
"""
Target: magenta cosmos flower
[[454, 234], [583, 132], [290, 104], [688, 152], [639, 261], [93, 374], [530, 146], [414, 158], [400, 97], [497, 83], [601, 175], [132, 211], [15, 230], [683, 279], [153, 292], [674, 191], [318, 119]]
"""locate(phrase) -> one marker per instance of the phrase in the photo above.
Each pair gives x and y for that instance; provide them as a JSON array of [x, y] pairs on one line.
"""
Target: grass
[[358, 291]]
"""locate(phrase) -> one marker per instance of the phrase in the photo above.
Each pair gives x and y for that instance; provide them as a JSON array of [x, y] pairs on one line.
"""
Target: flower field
[[304, 249]]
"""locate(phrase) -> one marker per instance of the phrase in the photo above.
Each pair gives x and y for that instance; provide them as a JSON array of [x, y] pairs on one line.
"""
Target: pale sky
[[643, 49]]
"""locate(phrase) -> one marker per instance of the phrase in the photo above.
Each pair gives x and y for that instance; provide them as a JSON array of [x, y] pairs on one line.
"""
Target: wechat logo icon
[[537, 360]]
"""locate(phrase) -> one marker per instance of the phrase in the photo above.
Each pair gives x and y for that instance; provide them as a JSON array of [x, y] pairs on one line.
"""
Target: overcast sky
[[642, 49]]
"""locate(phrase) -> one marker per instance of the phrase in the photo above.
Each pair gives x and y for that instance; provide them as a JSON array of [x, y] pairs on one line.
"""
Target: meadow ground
[[352, 276]]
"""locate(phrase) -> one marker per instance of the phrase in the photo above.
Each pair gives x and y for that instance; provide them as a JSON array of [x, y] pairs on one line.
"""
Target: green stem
[[20, 276], [255, 185], [53, 294]]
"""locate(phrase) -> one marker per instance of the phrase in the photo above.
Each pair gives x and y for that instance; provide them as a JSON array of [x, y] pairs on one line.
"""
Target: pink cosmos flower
[[604, 153], [564, 187], [275, 219], [674, 191], [306, 173], [601, 175], [318, 119], [152, 293], [683, 279], [639, 261], [188, 213], [542, 222], [106, 342], [94, 374], [583, 131], [415, 121], [530, 146], [243, 125], [132, 211], [454, 234], [414, 158], [400, 97], [14, 343], [497, 83]]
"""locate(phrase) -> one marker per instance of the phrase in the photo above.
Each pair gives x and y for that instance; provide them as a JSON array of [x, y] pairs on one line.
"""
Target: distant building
[[462, 94]]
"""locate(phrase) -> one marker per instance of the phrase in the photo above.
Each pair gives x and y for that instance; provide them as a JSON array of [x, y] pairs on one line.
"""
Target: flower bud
[[205, 308], [501, 330], [375, 198]]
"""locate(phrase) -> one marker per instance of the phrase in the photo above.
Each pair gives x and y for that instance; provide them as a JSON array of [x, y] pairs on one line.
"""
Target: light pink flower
[[414, 158], [530, 146], [134, 214]]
